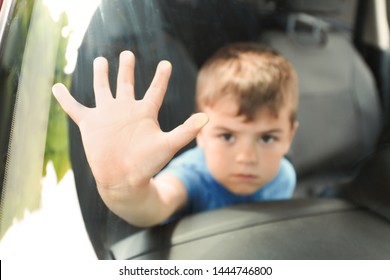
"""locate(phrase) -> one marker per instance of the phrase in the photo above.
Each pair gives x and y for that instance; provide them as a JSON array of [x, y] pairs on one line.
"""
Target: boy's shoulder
[[287, 168], [192, 157], [283, 185], [190, 168]]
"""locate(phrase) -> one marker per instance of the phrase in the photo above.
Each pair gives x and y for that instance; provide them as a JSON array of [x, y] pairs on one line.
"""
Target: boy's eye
[[267, 139], [227, 137]]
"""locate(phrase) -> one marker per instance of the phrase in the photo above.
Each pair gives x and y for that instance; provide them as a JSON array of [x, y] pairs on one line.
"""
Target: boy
[[247, 94]]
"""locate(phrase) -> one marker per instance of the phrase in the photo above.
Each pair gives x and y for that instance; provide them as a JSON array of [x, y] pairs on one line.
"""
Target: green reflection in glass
[[33, 60], [57, 141]]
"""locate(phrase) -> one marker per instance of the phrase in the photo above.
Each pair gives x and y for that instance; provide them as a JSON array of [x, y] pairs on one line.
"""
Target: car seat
[[339, 110]]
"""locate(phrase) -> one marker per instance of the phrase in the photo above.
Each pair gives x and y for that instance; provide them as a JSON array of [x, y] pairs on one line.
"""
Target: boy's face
[[244, 156]]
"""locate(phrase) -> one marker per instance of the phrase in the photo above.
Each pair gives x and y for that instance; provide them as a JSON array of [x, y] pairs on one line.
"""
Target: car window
[[48, 195]]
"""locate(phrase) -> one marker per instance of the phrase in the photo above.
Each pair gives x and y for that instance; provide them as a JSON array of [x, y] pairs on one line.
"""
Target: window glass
[[49, 202]]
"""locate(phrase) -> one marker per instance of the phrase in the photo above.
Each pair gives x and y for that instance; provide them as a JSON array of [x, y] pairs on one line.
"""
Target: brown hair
[[257, 76]]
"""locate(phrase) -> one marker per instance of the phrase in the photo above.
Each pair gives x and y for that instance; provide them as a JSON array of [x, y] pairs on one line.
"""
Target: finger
[[74, 109], [125, 81], [156, 92], [101, 84], [183, 134]]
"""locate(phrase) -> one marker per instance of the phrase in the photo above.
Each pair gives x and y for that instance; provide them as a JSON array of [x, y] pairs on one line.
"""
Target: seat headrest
[[311, 6]]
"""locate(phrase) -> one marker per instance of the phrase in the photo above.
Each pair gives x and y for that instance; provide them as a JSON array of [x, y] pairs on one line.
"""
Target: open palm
[[122, 139]]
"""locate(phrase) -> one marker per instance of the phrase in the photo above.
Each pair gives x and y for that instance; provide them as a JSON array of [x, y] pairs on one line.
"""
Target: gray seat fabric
[[339, 111]]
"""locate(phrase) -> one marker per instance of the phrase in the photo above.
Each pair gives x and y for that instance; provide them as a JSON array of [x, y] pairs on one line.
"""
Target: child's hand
[[124, 144]]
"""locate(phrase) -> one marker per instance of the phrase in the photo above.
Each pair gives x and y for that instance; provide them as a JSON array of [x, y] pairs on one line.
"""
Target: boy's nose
[[247, 155]]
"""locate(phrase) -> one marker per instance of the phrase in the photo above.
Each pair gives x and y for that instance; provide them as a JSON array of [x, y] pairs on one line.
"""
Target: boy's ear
[[294, 129]]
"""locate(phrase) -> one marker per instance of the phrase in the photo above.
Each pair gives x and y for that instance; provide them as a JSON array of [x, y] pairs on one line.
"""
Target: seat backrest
[[339, 110]]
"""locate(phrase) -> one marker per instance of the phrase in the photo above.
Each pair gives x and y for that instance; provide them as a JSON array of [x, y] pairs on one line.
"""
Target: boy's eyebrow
[[270, 131]]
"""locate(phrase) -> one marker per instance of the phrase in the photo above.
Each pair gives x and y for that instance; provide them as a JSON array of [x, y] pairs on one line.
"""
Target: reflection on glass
[[24, 163], [33, 130]]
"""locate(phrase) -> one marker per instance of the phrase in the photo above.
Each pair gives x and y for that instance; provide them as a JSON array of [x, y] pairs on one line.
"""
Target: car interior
[[341, 153], [336, 152]]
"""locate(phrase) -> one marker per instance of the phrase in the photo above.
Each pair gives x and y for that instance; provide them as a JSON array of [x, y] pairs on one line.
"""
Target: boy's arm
[[125, 146]]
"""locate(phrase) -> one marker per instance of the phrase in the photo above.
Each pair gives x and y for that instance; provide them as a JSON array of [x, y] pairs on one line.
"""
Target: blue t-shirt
[[205, 193]]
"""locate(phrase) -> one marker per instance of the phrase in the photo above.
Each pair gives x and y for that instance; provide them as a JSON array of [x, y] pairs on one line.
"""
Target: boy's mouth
[[245, 176]]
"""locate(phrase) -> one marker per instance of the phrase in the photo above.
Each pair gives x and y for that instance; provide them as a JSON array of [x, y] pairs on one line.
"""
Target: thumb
[[183, 134]]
